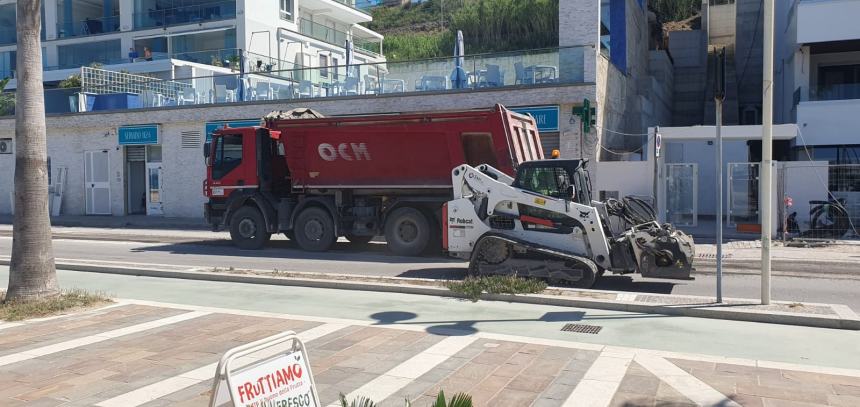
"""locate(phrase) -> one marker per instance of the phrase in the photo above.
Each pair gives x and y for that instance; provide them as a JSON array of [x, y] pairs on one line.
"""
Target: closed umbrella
[[351, 82], [459, 78]]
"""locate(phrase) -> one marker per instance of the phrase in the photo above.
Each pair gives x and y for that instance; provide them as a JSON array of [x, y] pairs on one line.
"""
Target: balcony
[[827, 21], [322, 32], [90, 26], [198, 13], [346, 11], [262, 80], [829, 121]]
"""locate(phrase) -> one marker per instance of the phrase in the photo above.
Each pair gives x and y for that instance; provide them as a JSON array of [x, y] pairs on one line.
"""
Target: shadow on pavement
[[627, 283], [342, 251]]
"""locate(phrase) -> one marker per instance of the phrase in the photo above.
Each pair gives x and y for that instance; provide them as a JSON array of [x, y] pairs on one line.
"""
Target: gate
[[743, 194], [682, 192], [820, 200]]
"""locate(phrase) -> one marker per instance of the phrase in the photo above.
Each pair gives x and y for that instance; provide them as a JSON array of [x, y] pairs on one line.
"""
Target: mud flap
[[662, 252]]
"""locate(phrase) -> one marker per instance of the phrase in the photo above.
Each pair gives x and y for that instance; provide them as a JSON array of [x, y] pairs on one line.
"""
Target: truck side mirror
[[206, 147]]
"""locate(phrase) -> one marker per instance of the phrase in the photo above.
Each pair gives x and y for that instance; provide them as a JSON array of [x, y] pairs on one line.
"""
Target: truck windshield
[[228, 154], [549, 181]]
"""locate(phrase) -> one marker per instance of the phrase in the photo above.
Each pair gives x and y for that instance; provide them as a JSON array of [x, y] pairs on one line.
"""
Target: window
[[228, 155], [549, 181], [287, 10], [324, 66], [839, 82], [334, 64]]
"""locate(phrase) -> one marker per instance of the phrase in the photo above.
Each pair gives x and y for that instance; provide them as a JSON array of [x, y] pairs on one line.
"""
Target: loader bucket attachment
[[663, 252]]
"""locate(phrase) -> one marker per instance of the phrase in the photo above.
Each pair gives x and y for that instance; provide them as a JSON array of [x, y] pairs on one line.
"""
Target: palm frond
[[461, 400]]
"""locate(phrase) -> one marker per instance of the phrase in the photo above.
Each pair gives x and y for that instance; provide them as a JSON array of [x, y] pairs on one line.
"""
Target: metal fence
[[819, 200]]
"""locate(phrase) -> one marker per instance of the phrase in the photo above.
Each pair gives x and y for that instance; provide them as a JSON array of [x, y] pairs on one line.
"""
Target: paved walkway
[[138, 353]]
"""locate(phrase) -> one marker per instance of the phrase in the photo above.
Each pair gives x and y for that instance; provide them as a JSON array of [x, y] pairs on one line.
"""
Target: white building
[[192, 37], [147, 159]]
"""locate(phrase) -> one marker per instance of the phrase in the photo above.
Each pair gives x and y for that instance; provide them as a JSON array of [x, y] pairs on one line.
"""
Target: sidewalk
[[123, 222], [139, 353]]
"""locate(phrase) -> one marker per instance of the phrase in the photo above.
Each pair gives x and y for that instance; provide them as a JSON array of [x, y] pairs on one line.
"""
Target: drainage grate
[[585, 329]]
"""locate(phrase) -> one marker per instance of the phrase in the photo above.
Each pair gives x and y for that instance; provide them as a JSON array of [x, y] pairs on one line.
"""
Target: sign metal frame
[[225, 364]]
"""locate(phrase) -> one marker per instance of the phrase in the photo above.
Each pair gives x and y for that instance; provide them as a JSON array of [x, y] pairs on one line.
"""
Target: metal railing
[[322, 32], [197, 13], [819, 200], [89, 26], [542, 67]]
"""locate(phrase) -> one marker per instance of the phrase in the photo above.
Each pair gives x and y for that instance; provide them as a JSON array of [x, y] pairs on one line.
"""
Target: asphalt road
[[373, 259]]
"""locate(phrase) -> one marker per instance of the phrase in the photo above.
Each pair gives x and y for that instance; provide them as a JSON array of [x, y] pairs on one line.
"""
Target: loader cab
[[562, 179]]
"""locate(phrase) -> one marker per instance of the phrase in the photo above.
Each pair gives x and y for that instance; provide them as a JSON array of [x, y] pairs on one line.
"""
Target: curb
[[845, 318]]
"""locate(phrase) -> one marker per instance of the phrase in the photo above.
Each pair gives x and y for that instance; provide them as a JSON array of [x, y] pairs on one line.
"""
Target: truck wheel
[[248, 229], [407, 232], [359, 240], [315, 230]]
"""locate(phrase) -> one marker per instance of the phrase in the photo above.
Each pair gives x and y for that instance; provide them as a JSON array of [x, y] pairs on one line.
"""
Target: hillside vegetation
[[421, 30]]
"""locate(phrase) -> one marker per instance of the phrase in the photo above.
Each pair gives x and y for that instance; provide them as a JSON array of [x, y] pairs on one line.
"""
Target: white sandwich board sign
[[272, 372]]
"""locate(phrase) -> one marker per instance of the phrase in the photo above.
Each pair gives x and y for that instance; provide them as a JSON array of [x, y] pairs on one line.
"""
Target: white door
[[154, 197], [97, 187]]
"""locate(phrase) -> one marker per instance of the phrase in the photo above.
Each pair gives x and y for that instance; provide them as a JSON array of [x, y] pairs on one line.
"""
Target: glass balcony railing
[[842, 91], [90, 26], [372, 47], [322, 32], [267, 79], [186, 14], [360, 5]]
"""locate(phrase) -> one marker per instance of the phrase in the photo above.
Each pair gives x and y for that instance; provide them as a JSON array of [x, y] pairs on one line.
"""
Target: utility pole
[[767, 152], [719, 96]]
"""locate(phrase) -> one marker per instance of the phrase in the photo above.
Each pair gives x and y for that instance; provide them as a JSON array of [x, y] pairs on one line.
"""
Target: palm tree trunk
[[31, 271]]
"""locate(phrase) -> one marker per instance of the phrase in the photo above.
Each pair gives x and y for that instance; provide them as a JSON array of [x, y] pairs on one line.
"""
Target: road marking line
[[688, 385], [88, 340], [601, 380], [401, 375], [516, 338], [167, 386]]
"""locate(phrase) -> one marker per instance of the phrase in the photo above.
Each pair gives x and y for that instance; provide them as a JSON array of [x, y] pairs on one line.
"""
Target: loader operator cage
[[555, 178]]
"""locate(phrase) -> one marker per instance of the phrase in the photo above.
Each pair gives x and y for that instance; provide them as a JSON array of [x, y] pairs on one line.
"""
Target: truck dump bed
[[404, 150]]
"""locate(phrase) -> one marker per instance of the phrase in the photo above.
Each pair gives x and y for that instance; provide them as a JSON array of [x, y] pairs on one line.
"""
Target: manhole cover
[[584, 329]]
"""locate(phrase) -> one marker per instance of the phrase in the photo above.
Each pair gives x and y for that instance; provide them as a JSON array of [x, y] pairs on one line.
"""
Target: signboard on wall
[[545, 116], [138, 135], [212, 126]]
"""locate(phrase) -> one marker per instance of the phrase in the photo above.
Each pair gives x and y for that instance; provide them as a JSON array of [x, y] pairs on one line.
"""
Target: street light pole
[[719, 96], [766, 192]]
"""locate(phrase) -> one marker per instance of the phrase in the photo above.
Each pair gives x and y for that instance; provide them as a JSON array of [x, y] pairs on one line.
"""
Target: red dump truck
[[315, 178]]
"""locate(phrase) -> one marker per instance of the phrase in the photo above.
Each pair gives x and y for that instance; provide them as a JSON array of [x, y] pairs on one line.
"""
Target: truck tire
[[359, 240], [248, 229], [315, 230], [407, 232]]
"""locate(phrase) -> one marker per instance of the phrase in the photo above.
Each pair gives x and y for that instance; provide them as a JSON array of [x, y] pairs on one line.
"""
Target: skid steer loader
[[544, 224]]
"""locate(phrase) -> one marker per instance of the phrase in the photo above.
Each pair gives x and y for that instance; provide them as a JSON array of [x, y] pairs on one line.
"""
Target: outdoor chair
[[306, 89], [188, 96], [492, 77], [150, 99], [285, 92], [371, 85], [224, 95], [350, 87], [431, 83], [263, 91], [523, 78]]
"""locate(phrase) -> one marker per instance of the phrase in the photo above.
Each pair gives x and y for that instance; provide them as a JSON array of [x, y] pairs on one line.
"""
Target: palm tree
[[31, 272]]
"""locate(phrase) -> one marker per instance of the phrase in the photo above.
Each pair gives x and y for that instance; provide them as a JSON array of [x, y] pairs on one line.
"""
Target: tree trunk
[[31, 272]]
